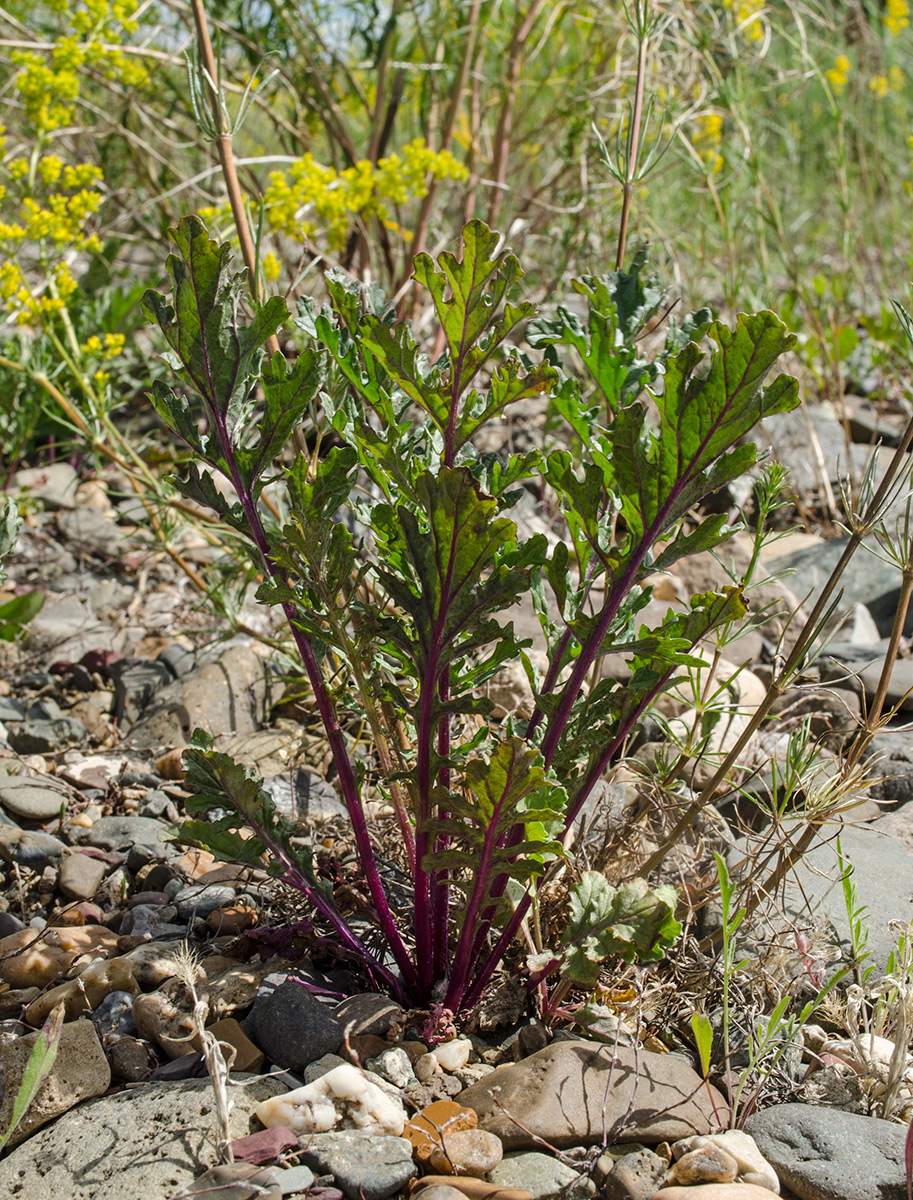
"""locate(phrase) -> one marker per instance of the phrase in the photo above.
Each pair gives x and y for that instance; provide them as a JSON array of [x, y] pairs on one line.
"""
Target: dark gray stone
[[868, 580], [200, 899], [35, 798], [366, 1166], [115, 1015], [828, 1154], [30, 848], [882, 874], [293, 1029], [178, 660], [227, 696], [135, 684], [121, 833], [46, 737]]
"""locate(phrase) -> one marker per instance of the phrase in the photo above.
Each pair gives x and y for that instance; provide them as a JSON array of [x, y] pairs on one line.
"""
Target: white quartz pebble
[[345, 1098], [453, 1055]]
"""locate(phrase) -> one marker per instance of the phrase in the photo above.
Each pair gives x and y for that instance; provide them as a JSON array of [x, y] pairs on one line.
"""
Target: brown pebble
[[33, 958], [365, 1046], [442, 1118], [474, 1189], [232, 920], [248, 1057], [715, 1191], [169, 766], [130, 1060]]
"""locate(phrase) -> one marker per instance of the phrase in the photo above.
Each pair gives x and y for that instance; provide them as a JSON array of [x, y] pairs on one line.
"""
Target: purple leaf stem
[[463, 956], [328, 716], [473, 994], [440, 879]]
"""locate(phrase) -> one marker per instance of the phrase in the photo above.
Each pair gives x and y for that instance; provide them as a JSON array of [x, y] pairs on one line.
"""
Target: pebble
[[544, 1177], [264, 1146], [32, 799], [28, 848], [129, 1059], [720, 1191], [46, 737], [466, 1186], [707, 1164], [426, 1130], [29, 960], [394, 1066], [95, 980], [634, 1176], [199, 900], [827, 1154], [466, 1152], [571, 1091], [752, 1166], [114, 1015], [122, 833], [294, 1029], [248, 1057], [365, 1166], [453, 1054], [80, 876], [159, 1019], [232, 920], [235, 1181], [367, 1013], [79, 1071], [441, 1191], [293, 1180]]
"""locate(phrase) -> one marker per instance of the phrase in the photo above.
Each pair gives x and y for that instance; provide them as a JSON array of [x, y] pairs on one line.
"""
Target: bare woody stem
[[227, 159], [807, 635]]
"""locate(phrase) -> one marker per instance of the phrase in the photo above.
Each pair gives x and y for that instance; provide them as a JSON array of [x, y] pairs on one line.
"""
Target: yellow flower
[[92, 345], [748, 16], [271, 267], [896, 79], [896, 15], [879, 85], [114, 344], [839, 73]]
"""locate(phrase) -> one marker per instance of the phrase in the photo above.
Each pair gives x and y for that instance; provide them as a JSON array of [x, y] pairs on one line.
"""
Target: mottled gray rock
[[307, 798], [150, 1142], [199, 900], [55, 484], [572, 1091], [368, 1012], [66, 628], [882, 874], [80, 1071], [93, 530], [30, 848], [115, 1015], [867, 580], [366, 1166], [121, 833], [293, 1029], [826, 1154], [135, 685], [227, 696], [46, 737], [543, 1176], [36, 798]]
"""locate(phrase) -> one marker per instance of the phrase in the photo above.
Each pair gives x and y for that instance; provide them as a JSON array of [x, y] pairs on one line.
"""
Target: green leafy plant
[[37, 1069], [15, 614], [396, 566]]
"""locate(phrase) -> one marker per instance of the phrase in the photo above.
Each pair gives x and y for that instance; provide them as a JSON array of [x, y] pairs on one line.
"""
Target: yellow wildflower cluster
[[48, 83], [310, 198], [110, 346], [878, 85], [748, 17], [839, 73], [896, 15], [707, 139]]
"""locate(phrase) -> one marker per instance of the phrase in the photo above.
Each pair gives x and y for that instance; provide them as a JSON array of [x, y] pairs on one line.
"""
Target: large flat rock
[[573, 1092], [149, 1142]]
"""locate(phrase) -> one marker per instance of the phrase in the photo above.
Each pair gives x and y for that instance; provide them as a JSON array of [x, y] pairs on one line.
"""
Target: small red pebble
[[264, 1146]]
